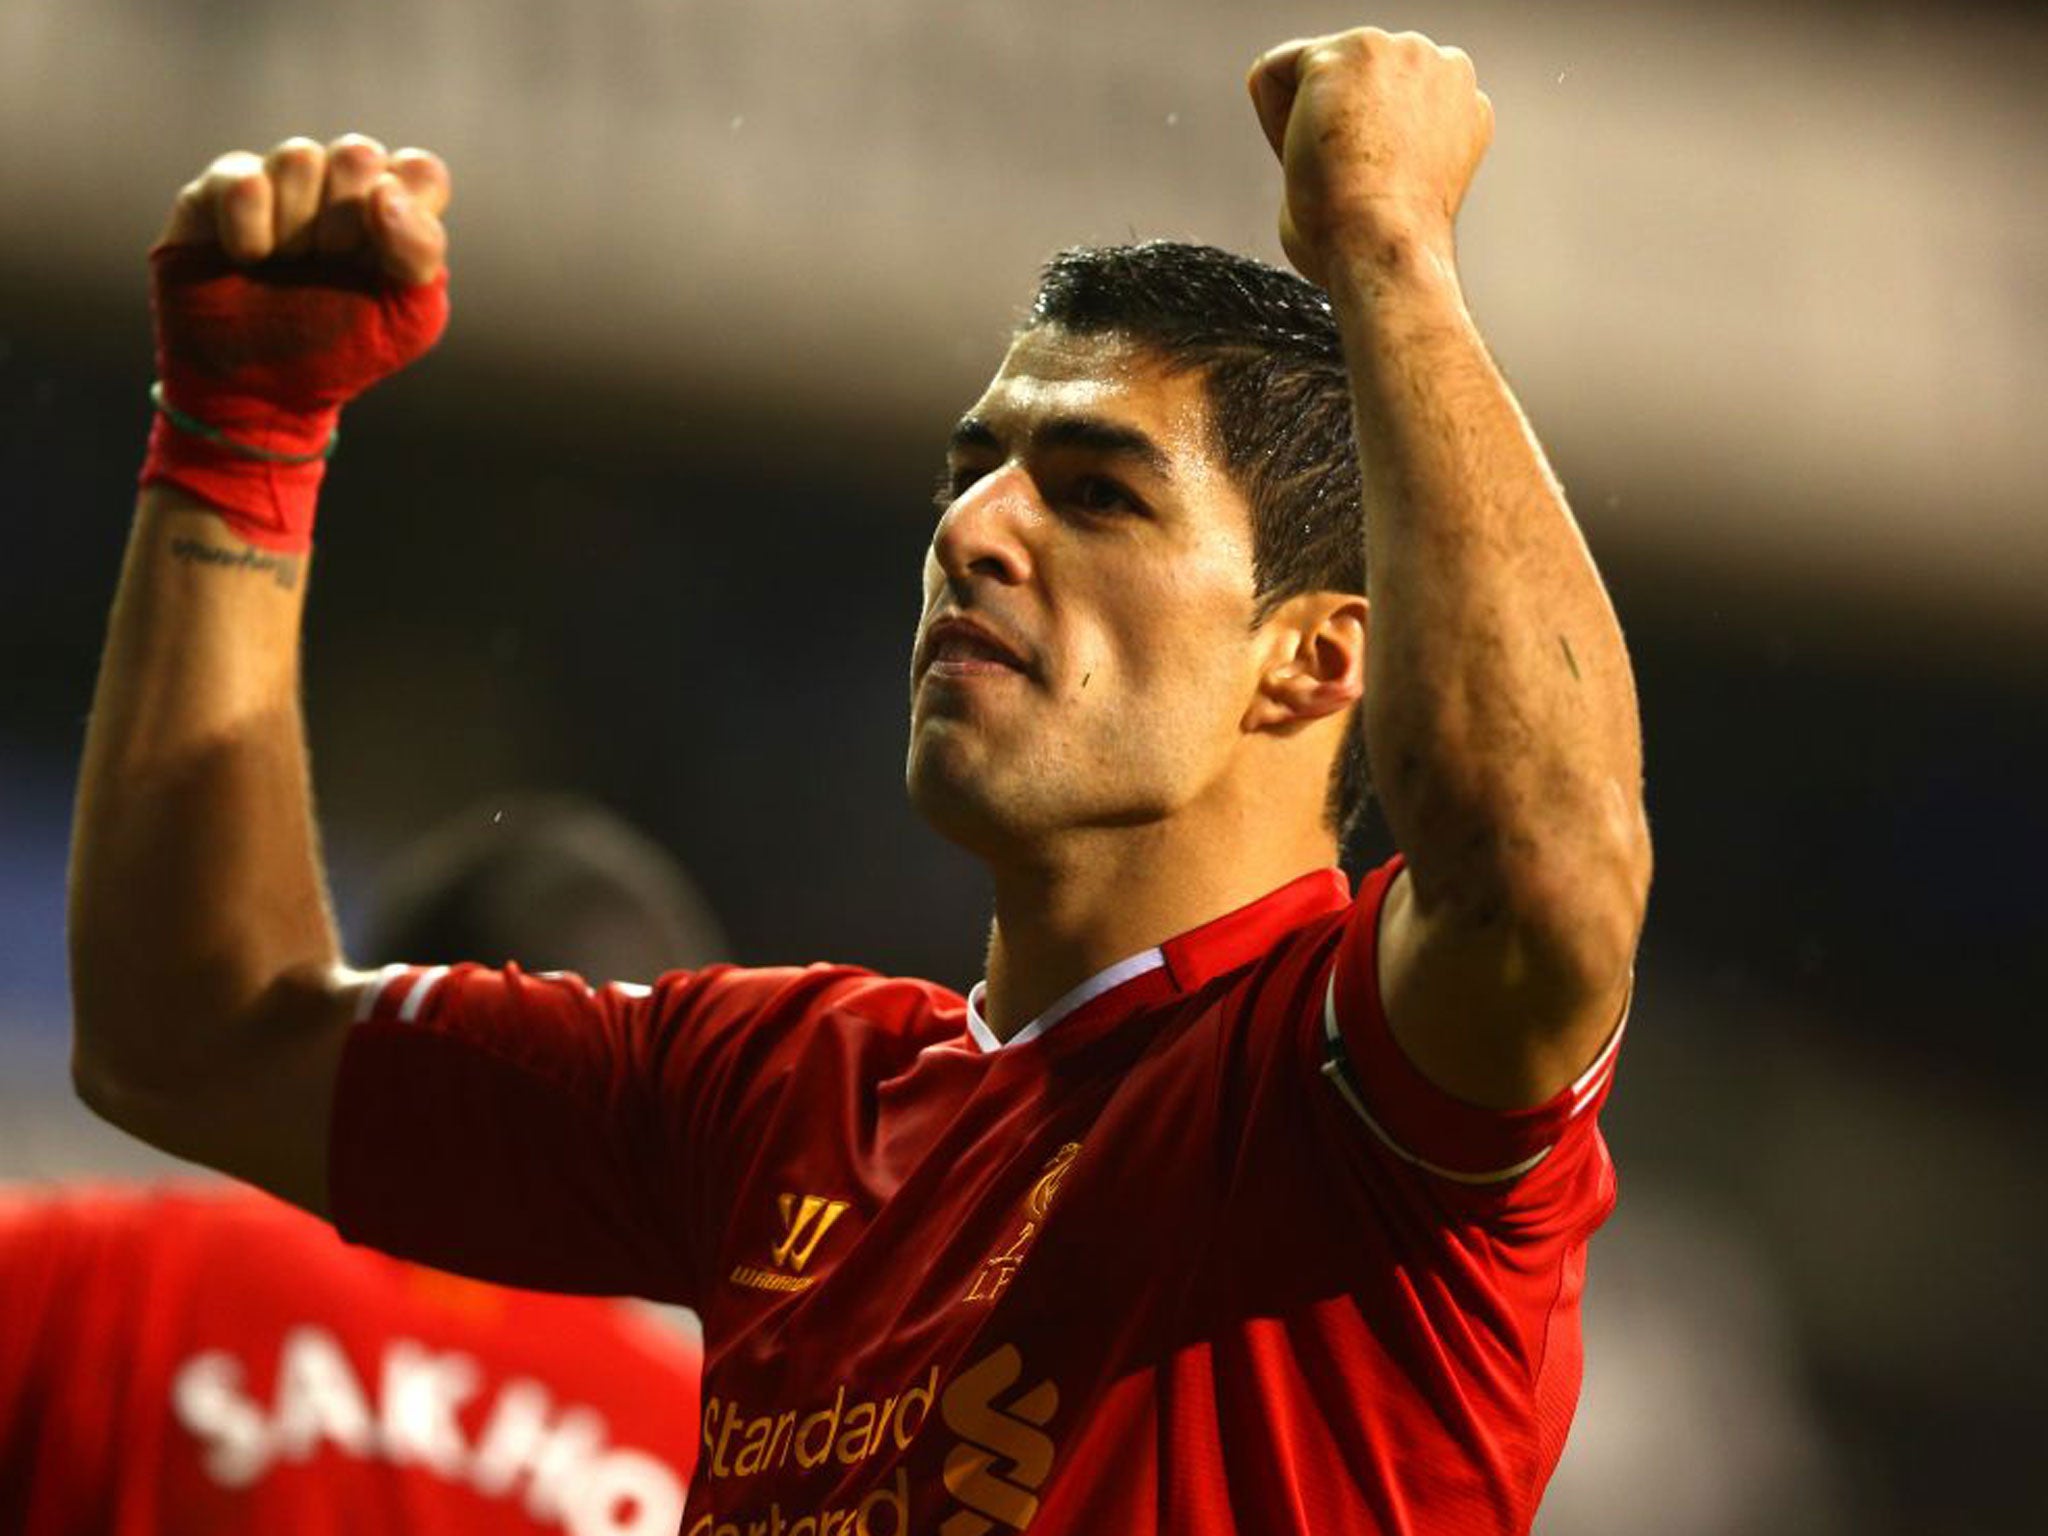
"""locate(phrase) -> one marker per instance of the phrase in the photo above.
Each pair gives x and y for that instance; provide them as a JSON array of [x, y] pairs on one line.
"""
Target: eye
[[953, 482], [1100, 494]]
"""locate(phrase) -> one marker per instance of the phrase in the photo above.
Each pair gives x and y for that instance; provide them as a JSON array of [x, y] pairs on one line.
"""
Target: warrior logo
[[805, 1221], [1011, 1435]]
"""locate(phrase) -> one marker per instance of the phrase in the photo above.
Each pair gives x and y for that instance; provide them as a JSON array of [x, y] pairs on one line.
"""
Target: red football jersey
[[1198, 1251], [202, 1360]]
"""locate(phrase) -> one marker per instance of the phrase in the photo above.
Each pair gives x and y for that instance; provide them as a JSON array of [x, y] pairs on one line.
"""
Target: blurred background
[[1772, 282]]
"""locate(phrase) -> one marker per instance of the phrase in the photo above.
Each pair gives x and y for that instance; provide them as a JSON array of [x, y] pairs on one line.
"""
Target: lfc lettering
[[996, 1273], [994, 1277]]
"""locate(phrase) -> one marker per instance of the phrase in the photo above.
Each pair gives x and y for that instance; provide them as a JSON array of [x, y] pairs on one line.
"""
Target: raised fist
[[1378, 135], [266, 267], [281, 288]]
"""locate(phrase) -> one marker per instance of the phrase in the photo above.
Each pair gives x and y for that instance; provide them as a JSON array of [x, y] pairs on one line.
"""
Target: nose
[[986, 532]]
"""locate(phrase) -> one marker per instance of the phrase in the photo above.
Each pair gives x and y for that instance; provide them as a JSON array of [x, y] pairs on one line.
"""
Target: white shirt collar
[[1111, 976]]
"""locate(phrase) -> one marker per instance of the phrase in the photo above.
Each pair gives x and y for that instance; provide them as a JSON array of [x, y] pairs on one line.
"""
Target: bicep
[[1523, 1166], [260, 1110], [1497, 1014]]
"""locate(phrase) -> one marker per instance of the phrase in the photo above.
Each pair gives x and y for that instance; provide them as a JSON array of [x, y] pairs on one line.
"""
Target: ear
[[1313, 661]]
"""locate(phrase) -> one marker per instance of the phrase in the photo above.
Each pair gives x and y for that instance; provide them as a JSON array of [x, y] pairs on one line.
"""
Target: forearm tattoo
[[284, 569]]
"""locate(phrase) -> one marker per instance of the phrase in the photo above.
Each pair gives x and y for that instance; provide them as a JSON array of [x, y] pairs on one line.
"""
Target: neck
[[1102, 894]]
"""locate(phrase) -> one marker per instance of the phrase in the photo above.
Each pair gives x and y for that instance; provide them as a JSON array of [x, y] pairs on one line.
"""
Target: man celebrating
[[1230, 1201]]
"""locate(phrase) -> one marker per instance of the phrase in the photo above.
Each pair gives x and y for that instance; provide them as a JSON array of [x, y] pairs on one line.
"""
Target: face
[[1085, 655]]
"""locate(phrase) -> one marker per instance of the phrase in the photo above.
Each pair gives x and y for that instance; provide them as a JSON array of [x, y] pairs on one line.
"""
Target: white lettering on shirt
[[556, 1460], [318, 1398], [423, 1393]]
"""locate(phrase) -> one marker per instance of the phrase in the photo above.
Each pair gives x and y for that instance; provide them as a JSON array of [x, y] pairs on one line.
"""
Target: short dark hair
[[1266, 345], [555, 882]]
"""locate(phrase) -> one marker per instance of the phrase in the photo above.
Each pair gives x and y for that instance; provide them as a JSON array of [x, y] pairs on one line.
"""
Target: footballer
[[1232, 1199]]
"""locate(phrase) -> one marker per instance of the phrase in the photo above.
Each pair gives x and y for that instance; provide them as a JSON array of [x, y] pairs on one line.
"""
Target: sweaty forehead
[[1050, 372]]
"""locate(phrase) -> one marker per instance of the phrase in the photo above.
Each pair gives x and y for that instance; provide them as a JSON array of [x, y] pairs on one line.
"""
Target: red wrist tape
[[266, 357]]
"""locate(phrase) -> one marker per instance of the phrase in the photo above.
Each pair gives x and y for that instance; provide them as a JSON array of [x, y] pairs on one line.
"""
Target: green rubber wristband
[[212, 434]]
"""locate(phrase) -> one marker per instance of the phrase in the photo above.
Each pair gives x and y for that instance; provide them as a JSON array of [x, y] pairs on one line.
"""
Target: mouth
[[957, 646]]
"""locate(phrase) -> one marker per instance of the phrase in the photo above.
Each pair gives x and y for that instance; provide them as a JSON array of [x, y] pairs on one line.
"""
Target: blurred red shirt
[[204, 1359]]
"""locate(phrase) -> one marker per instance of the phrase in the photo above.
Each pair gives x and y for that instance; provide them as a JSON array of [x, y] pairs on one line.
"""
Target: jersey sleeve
[[1496, 1158], [538, 1131]]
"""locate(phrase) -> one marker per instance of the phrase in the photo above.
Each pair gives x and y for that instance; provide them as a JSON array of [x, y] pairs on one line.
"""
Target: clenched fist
[[282, 287], [1378, 136], [349, 203]]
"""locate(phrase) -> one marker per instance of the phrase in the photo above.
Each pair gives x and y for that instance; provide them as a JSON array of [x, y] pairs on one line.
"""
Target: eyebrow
[[1090, 432]]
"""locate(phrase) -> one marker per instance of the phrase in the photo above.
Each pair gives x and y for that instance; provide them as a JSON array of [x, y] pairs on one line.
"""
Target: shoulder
[[1275, 993], [766, 1006], [107, 1212], [196, 1228], [1241, 1043], [787, 996], [577, 1029], [762, 1021]]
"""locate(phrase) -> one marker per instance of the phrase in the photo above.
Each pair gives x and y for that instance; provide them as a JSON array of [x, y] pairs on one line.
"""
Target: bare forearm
[[210, 1004], [195, 883], [1500, 711]]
